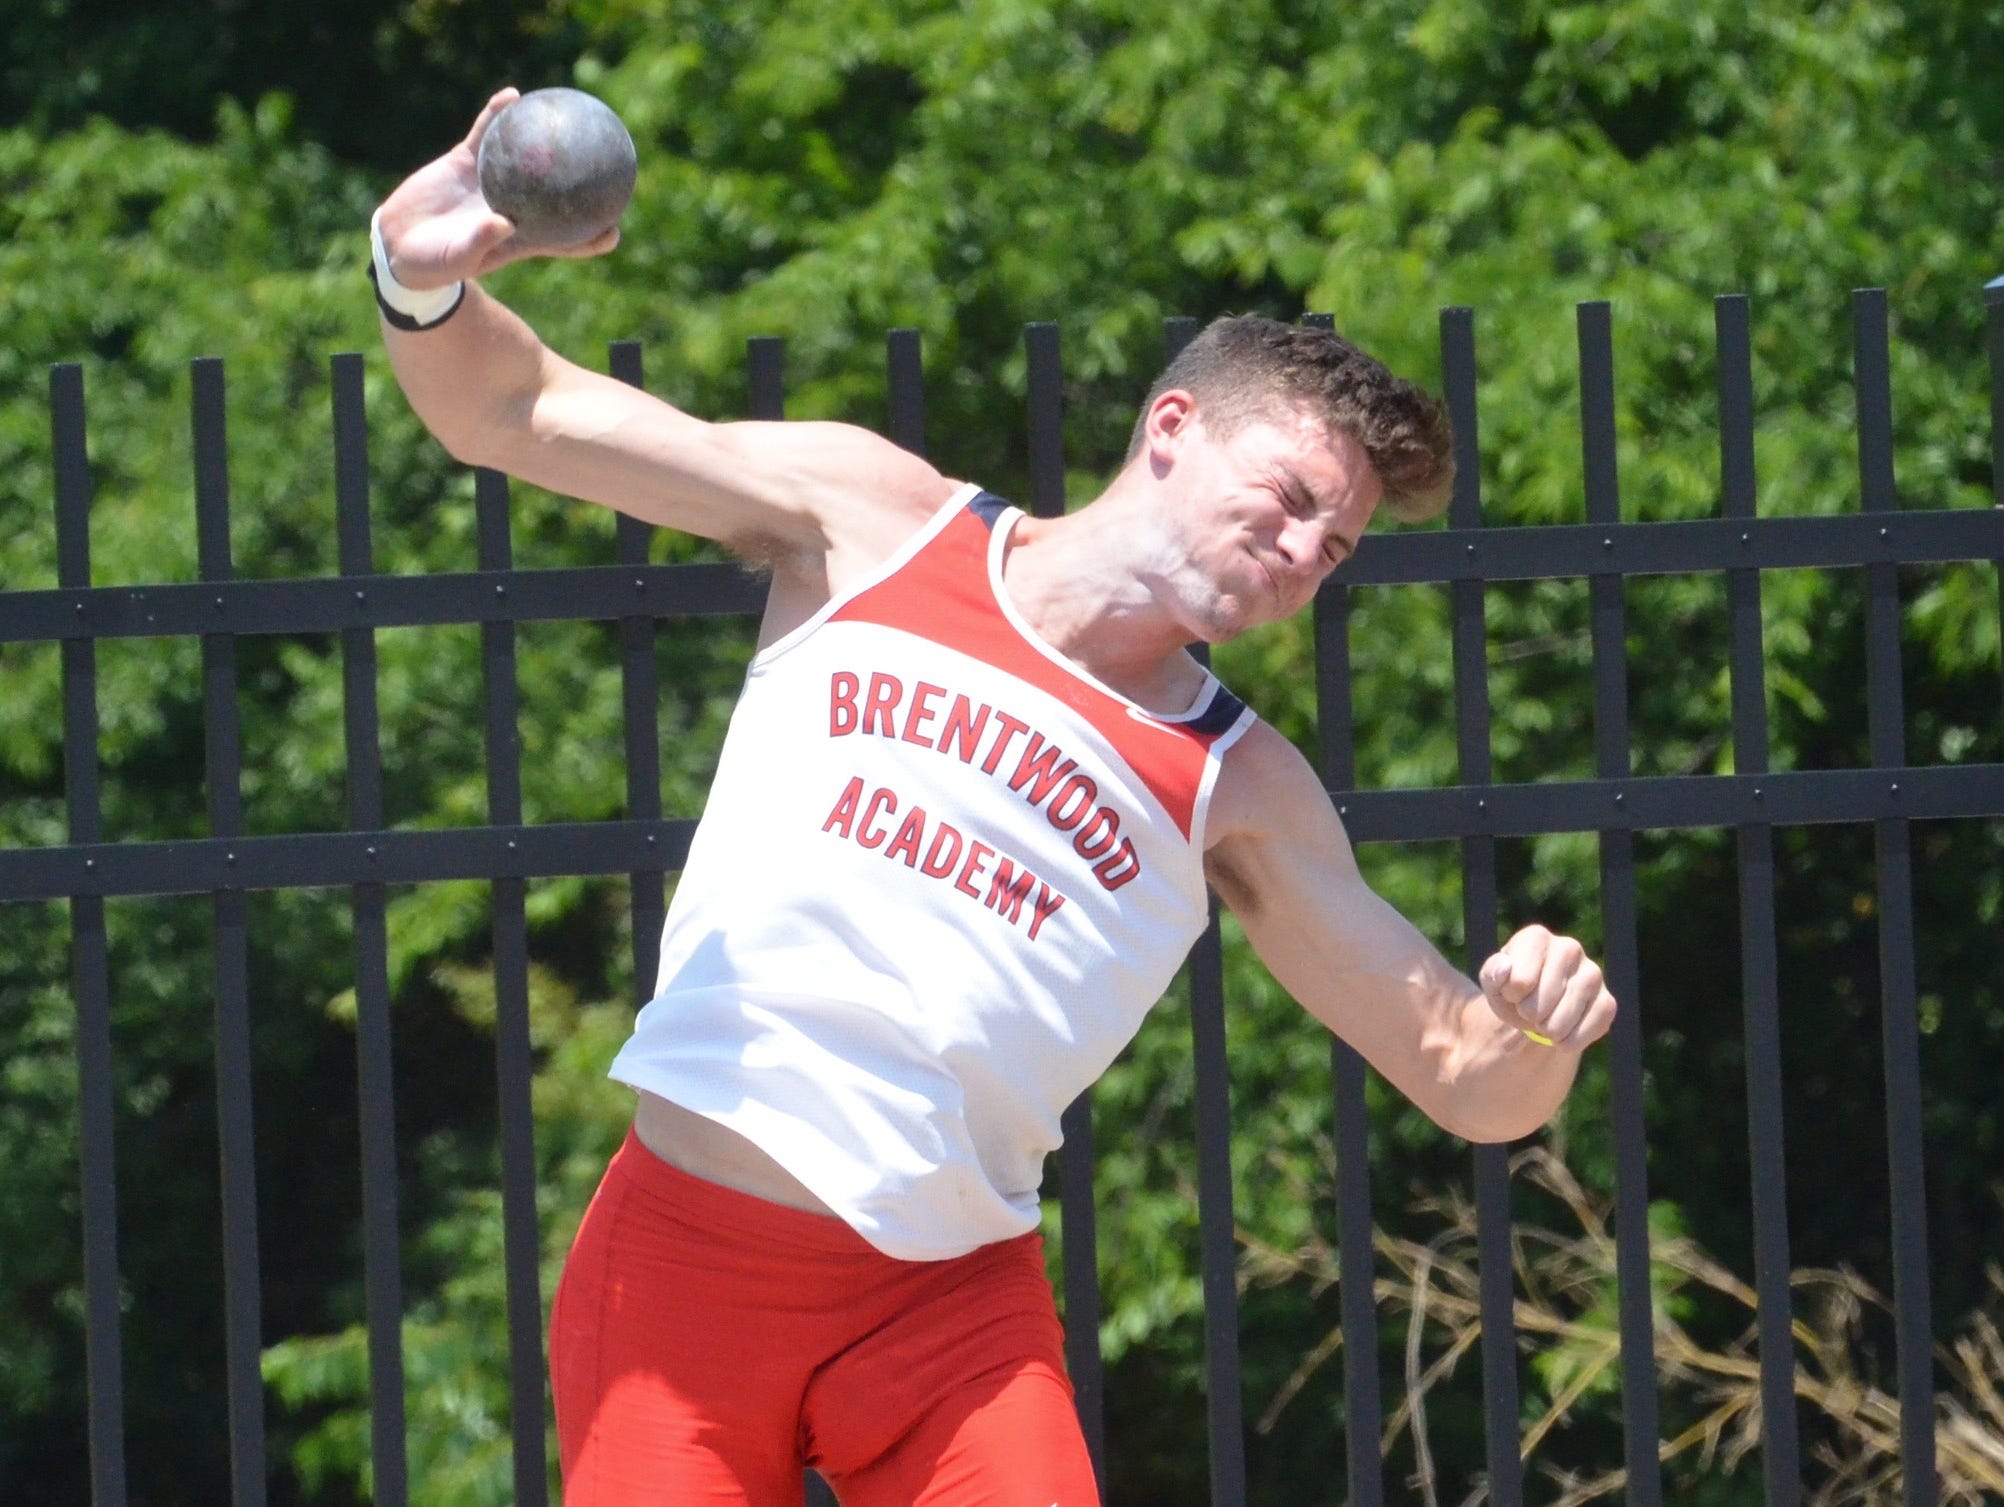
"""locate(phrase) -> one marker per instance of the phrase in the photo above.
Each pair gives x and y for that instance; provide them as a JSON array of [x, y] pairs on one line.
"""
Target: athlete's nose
[[1300, 543]]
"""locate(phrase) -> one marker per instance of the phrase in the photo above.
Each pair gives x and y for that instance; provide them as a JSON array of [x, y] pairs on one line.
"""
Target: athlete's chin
[[1226, 618]]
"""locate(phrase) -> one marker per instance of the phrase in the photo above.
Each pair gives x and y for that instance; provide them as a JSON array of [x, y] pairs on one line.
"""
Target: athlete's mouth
[[1272, 581]]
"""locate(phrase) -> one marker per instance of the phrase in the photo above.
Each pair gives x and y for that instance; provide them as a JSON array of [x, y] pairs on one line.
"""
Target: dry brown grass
[[1563, 1311]]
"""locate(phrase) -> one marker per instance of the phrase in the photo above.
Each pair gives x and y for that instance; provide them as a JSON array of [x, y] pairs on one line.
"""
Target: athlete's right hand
[[438, 229]]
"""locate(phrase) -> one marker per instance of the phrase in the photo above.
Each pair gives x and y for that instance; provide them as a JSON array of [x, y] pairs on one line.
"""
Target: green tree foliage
[[827, 170], [248, 248], [375, 81]]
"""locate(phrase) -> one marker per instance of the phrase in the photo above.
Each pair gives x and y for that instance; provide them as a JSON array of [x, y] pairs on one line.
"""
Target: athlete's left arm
[[1278, 855]]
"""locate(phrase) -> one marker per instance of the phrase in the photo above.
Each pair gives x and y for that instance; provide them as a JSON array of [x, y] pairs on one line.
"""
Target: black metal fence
[[1477, 813]]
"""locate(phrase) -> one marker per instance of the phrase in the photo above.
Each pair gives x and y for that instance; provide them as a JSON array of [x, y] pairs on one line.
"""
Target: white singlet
[[941, 877]]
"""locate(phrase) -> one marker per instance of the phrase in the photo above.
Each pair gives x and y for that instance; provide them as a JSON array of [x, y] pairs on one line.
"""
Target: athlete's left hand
[[1547, 987]]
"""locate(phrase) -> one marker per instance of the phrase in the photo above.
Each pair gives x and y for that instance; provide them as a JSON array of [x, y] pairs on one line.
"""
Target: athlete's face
[[1262, 515]]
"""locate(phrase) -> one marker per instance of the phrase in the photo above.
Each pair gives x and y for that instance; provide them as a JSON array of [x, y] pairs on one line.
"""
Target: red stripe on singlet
[[943, 595]]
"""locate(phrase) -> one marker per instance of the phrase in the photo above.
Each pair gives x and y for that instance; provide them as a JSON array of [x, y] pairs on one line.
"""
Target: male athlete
[[958, 843]]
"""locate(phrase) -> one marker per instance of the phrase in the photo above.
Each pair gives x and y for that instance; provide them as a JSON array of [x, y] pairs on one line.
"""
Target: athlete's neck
[[1083, 584]]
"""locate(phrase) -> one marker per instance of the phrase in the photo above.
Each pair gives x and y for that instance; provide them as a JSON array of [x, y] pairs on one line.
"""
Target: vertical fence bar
[[513, 1056], [1993, 319], [1479, 906], [374, 1062], [1899, 996], [90, 963], [1363, 1396], [1781, 1462], [1224, 1390], [1618, 923], [640, 685], [765, 360], [1079, 1215], [235, 1127], [906, 373], [1224, 1405], [1044, 379], [1044, 376]]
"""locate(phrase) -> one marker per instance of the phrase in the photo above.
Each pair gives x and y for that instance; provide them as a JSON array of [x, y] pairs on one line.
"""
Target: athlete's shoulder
[[856, 492], [1263, 785], [855, 500]]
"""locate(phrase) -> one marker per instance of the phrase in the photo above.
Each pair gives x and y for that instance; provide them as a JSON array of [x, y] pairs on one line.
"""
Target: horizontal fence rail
[[608, 593], [646, 847], [546, 850]]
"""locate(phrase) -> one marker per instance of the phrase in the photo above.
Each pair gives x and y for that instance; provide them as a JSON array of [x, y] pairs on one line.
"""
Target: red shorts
[[707, 1345]]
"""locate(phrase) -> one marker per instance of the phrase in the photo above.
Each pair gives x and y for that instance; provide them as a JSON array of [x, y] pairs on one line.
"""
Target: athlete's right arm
[[831, 496]]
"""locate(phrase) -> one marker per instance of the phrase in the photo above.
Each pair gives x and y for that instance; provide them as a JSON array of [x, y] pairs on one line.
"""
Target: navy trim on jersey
[[988, 507], [1217, 718]]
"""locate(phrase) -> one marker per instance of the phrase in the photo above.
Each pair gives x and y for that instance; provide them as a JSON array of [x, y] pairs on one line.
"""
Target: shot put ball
[[560, 164]]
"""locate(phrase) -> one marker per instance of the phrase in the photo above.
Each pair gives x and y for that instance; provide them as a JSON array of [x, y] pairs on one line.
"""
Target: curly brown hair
[[1242, 368]]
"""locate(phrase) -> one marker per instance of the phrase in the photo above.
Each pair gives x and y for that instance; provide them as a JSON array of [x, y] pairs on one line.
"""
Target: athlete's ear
[[1166, 426]]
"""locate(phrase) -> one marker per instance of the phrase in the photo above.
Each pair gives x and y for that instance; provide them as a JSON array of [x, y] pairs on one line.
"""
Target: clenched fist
[[1548, 988]]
